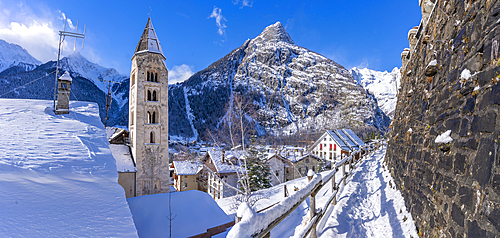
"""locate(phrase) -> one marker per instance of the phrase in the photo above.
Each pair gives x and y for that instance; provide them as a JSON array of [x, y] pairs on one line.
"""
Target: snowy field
[[366, 207], [58, 177]]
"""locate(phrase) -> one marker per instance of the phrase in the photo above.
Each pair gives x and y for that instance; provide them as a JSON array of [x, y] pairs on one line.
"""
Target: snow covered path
[[368, 206]]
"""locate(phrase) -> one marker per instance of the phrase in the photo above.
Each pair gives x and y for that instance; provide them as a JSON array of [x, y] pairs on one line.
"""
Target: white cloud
[[39, 39], [179, 73], [36, 30], [244, 3], [217, 14]]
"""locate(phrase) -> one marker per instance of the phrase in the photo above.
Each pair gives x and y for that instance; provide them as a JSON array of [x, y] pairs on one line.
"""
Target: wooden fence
[[270, 218]]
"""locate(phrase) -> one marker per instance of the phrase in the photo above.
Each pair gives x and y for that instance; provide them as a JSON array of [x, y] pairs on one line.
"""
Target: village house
[[289, 163], [222, 170], [185, 175], [334, 145], [124, 163]]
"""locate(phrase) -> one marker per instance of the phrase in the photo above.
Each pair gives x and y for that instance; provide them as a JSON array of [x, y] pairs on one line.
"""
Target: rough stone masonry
[[451, 82]]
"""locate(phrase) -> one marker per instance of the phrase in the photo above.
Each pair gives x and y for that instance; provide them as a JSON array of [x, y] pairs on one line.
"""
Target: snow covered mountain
[[289, 88], [26, 78], [14, 55], [99, 75], [383, 85]]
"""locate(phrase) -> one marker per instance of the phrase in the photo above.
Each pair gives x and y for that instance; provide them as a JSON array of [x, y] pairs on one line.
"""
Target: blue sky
[[195, 34]]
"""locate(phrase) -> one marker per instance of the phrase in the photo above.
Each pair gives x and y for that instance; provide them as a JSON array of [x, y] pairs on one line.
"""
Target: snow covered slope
[[383, 85], [14, 55], [58, 177]]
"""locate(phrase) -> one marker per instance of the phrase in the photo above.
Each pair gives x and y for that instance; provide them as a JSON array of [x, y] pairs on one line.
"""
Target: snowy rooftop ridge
[[187, 167], [58, 174]]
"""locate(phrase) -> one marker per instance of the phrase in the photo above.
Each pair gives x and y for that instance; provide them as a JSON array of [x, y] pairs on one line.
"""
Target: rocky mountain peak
[[273, 34]]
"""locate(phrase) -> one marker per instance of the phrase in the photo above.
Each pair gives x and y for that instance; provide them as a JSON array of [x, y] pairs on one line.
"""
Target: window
[[132, 79], [152, 137], [331, 156], [331, 146], [153, 118], [335, 147], [154, 96], [320, 146], [152, 76], [149, 117], [149, 95], [132, 118]]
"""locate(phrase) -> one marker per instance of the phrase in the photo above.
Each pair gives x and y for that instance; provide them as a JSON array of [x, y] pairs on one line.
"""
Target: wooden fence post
[[312, 207], [334, 187], [343, 172]]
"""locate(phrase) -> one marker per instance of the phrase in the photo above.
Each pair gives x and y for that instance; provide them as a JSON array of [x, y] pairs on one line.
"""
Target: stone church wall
[[453, 189]]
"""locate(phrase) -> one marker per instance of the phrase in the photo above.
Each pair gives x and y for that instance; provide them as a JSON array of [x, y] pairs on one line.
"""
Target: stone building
[[63, 92], [450, 88], [148, 115]]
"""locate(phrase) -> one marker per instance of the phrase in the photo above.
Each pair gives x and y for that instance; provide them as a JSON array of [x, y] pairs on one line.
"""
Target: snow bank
[[444, 138], [260, 221], [59, 178], [193, 212]]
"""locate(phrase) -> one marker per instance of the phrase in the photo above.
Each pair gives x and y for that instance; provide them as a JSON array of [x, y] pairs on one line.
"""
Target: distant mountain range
[[383, 85], [290, 89]]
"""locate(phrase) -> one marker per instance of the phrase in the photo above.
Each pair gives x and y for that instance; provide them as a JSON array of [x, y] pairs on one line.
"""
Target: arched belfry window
[[151, 137], [149, 117], [153, 117], [149, 95], [132, 79], [152, 76], [154, 96]]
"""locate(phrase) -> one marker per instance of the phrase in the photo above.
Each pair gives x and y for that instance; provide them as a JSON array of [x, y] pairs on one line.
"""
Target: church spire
[[149, 41]]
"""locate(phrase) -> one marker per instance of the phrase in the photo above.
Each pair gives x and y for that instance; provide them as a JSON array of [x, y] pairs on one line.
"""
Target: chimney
[[223, 156]]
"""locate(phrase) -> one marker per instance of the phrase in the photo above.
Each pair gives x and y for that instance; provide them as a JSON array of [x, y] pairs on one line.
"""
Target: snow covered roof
[[348, 141], [58, 175], [354, 137], [124, 161], [194, 212], [187, 167], [342, 144], [116, 133], [149, 42], [66, 77], [226, 167]]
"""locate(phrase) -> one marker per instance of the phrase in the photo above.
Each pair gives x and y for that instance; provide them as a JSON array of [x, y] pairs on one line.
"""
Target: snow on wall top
[[187, 167], [66, 77], [124, 161], [58, 175], [194, 212]]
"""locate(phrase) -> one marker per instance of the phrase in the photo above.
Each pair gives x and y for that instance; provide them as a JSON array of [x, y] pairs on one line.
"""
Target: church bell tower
[[148, 115]]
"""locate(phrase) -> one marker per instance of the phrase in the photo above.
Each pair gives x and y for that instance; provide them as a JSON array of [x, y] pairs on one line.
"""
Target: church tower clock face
[[148, 115]]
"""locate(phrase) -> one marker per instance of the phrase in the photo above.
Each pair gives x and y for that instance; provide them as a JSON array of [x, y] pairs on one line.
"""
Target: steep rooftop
[[149, 41]]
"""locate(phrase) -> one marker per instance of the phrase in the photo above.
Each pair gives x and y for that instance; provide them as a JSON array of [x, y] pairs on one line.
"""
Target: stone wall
[[453, 189]]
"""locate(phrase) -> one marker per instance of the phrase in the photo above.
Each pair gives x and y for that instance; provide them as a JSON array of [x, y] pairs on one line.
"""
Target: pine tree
[[257, 170]]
